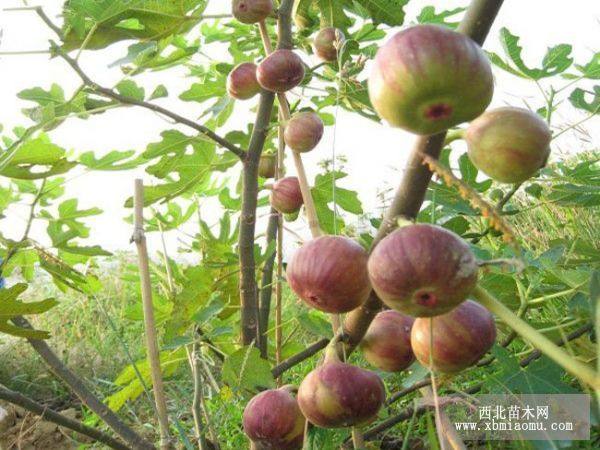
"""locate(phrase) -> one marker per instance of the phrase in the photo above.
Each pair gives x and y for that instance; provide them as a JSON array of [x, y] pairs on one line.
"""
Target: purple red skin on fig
[[327, 43], [281, 71], [428, 78], [303, 132], [386, 344], [329, 273], [251, 11], [241, 81], [338, 395], [286, 196], [460, 337], [509, 144], [422, 270], [273, 420]]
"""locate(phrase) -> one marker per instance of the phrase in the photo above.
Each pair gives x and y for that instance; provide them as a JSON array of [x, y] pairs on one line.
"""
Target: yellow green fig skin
[[304, 131], [251, 11], [273, 421], [267, 165], [386, 344], [460, 338], [509, 144], [422, 270], [428, 78], [339, 395], [327, 43]]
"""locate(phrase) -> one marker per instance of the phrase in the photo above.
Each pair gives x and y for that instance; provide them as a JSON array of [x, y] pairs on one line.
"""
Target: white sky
[[375, 153]]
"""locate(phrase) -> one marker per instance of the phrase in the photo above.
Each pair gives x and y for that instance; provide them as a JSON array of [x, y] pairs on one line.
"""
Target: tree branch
[[411, 192], [248, 289], [106, 92], [86, 396], [299, 357], [52, 416], [266, 286]]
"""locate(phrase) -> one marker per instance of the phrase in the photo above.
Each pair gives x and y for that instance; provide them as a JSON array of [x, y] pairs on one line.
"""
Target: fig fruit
[[338, 395], [508, 144], [327, 43], [273, 420], [251, 11], [386, 344], [330, 274], [286, 196], [428, 78], [281, 71], [303, 132], [460, 337], [422, 270], [241, 81], [267, 165]]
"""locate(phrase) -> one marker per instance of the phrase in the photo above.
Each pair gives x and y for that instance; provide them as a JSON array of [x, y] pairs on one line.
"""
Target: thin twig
[[52, 416], [106, 92], [151, 335]]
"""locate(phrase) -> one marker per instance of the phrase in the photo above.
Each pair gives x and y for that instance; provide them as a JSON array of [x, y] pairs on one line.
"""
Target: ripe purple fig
[[339, 395], [330, 274], [303, 132], [387, 342], [460, 337], [428, 78], [241, 81], [422, 270], [281, 71], [273, 420], [267, 165], [286, 196], [251, 11], [509, 144], [327, 43]]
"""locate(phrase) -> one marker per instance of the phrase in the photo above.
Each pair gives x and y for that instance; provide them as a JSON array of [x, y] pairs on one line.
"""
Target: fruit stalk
[[578, 369]]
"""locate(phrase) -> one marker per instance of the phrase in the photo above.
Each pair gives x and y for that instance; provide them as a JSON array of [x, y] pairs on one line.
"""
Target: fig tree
[[303, 131], [330, 274], [328, 42], [422, 270], [339, 395], [460, 337], [508, 144], [286, 196], [428, 78], [241, 81], [273, 420], [251, 11], [267, 165], [281, 71], [386, 344]]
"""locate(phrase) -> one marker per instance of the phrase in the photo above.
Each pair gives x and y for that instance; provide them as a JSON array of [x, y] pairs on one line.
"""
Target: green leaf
[[114, 160], [557, 58], [130, 89], [11, 306], [591, 70], [578, 99], [246, 370], [159, 92], [324, 196], [389, 12], [333, 14], [428, 15]]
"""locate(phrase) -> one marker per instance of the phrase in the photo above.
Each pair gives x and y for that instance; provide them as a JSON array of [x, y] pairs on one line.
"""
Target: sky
[[375, 153]]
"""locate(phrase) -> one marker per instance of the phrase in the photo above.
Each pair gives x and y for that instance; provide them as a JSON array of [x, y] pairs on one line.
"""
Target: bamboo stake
[[279, 170], [151, 336]]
